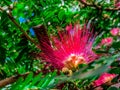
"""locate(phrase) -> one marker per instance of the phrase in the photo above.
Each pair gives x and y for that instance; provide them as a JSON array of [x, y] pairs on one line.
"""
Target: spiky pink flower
[[70, 49], [107, 41], [104, 78], [115, 31]]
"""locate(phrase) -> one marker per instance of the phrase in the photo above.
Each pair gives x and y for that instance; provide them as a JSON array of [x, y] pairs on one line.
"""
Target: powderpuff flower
[[107, 41], [114, 31], [104, 78], [71, 48]]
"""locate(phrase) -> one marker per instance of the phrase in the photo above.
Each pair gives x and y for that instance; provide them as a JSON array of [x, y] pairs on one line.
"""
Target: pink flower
[[104, 78], [70, 49], [117, 4], [83, 0], [115, 31], [107, 41], [68, 28]]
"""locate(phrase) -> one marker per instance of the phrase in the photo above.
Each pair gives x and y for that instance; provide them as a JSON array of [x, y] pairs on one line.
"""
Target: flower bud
[[104, 78], [114, 31], [107, 41]]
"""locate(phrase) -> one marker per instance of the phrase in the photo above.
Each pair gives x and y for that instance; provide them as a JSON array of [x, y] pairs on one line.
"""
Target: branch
[[1, 9], [89, 4], [98, 7], [21, 29], [11, 79]]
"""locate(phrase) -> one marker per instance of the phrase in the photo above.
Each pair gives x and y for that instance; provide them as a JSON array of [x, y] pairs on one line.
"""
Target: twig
[[21, 29], [14, 78], [1, 9], [11, 79], [89, 4], [98, 7]]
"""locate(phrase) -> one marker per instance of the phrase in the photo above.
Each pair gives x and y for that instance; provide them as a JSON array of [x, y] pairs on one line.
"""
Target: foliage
[[19, 46]]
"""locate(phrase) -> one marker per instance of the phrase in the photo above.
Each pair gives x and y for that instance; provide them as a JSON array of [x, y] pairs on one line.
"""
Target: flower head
[[70, 49], [107, 41], [115, 31], [117, 4], [104, 78]]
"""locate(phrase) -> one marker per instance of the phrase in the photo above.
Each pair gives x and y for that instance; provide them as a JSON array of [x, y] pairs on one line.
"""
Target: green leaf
[[112, 88], [49, 80], [16, 85], [2, 55], [20, 6], [61, 14], [27, 80], [116, 45], [36, 79]]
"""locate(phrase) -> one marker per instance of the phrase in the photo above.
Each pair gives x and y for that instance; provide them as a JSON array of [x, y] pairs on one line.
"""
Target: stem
[[11, 79], [14, 78], [98, 7], [1, 9], [21, 29]]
